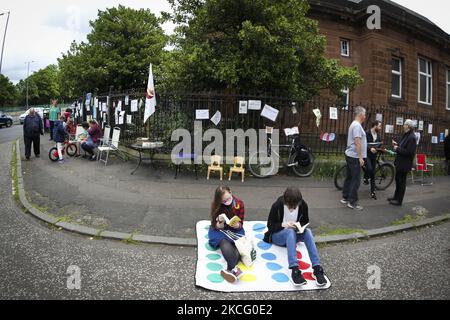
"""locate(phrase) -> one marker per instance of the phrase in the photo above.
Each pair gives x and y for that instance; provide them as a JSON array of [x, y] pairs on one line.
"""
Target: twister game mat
[[270, 272]]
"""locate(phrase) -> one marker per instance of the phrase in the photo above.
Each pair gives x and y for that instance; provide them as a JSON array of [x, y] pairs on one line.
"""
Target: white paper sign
[[243, 107], [270, 113], [202, 114], [134, 106], [434, 140], [291, 131], [254, 105], [121, 117], [379, 117], [418, 136], [415, 123], [421, 124], [217, 118], [430, 129], [389, 128], [400, 121], [318, 115], [127, 100], [104, 107], [129, 119], [119, 106], [333, 113]]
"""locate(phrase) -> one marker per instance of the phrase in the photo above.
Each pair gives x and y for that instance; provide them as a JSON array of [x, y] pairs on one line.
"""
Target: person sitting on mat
[[285, 213], [225, 203]]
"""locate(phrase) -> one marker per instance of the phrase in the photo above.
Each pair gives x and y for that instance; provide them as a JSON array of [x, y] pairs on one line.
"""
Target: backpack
[[303, 156]]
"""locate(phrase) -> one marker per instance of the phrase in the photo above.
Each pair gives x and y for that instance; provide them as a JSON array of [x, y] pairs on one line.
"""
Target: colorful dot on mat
[[208, 247], [207, 227], [269, 256], [303, 265], [264, 245], [248, 278], [273, 266], [214, 266], [244, 268], [259, 236], [214, 257], [259, 227], [280, 277], [207, 237], [215, 278], [308, 276], [299, 255]]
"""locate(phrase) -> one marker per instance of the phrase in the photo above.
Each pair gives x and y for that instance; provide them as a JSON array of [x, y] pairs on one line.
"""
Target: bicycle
[[68, 147], [301, 160], [384, 172]]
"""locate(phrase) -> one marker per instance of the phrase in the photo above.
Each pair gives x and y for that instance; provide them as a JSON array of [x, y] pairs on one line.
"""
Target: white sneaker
[[355, 207], [344, 202]]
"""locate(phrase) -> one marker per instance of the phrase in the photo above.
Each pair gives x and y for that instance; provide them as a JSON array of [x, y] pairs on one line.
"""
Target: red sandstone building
[[404, 64]]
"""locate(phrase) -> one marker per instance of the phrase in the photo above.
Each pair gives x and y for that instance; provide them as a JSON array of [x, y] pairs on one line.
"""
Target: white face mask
[[229, 202]]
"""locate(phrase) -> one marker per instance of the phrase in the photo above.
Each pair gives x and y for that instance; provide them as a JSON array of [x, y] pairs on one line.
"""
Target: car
[[5, 120], [39, 111]]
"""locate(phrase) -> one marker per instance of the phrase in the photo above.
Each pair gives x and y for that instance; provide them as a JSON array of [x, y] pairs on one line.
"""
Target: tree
[[122, 44], [254, 45], [8, 92], [43, 86]]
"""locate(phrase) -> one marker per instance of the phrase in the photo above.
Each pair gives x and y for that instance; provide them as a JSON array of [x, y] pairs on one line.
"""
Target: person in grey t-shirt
[[355, 154]]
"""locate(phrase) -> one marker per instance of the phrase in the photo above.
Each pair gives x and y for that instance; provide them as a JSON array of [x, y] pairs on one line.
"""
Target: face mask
[[229, 202]]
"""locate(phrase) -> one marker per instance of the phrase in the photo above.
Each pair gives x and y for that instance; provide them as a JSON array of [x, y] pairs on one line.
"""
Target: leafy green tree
[[122, 44], [8, 92], [253, 45], [43, 86]]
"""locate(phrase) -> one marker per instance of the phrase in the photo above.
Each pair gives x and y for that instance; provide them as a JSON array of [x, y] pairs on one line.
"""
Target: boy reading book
[[287, 223]]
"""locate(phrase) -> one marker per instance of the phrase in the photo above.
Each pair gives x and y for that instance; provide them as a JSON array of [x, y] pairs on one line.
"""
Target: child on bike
[[60, 136]]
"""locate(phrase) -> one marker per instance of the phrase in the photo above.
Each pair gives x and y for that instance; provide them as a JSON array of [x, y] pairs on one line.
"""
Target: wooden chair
[[216, 166], [238, 167]]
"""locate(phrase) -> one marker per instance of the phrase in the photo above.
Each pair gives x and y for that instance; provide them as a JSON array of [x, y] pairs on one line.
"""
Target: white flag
[[150, 97]]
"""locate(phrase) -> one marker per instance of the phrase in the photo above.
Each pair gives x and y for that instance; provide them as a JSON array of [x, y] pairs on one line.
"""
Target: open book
[[231, 222], [300, 229]]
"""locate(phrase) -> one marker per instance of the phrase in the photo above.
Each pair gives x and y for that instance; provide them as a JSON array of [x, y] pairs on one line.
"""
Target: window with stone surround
[[345, 48], [425, 87], [448, 89], [397, 78]]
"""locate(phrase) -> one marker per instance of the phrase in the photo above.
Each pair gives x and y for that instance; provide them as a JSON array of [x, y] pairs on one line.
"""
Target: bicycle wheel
[[53, 154], [339, 178], [261, 166], [71, 150], [384, 176], [305, 171]]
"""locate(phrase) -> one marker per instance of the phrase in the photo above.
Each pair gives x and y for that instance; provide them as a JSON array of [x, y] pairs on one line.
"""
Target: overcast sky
[[42, 30]]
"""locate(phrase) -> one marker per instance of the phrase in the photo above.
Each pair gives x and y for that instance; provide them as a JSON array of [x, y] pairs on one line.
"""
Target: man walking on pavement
[[32, 130], [355, 154]]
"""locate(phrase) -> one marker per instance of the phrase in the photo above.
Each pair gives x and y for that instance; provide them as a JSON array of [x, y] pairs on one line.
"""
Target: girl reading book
[[226, 208], [287, 224]]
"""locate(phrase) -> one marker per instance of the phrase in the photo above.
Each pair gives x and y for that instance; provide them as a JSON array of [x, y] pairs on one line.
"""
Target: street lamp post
[[28, 75], [4, 38]]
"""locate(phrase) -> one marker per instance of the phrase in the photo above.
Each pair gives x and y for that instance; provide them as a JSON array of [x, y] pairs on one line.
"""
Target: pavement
[[36, 259], [153, 203]]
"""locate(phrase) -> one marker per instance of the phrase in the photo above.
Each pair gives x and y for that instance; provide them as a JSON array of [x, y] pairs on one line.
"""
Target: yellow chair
[[239, 164], [216, 165]]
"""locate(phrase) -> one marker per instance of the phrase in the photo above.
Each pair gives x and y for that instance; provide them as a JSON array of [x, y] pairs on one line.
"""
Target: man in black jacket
[[405, 151], [32, 131], [285, 213], [447, 152]]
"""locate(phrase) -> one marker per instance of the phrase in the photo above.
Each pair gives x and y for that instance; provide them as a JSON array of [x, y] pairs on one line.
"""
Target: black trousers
[[352, 181], [52, 126], [36, 141], [230, 253], [371, 166], [400, 186]]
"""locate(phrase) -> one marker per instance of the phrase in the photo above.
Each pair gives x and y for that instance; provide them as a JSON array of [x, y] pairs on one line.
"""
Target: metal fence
[[178, 110]]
